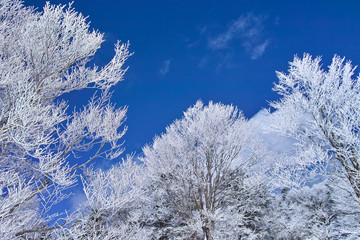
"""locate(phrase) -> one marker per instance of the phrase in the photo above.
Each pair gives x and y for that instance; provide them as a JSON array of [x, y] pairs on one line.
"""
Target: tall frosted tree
[[195, 169], [321, 110], [43, 55]]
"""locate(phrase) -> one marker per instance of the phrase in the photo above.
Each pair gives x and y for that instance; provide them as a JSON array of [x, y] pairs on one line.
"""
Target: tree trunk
[[207, 232]]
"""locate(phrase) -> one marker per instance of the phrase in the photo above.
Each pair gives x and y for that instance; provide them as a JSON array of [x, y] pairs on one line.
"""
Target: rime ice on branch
[[42, 56], [199, 169], [321, 109]]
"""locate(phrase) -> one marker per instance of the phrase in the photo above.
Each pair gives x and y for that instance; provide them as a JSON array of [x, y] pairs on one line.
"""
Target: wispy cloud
[[223, 39], [165, 68], [203, 62], [249, 30], [257, 51], [274, 140]]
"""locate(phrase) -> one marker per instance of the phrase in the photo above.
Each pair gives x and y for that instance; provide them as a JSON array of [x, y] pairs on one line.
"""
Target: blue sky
[[225, 51]]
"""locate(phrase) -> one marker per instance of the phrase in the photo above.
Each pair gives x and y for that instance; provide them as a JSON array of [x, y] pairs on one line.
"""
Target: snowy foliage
[[115, 187], [321, 110], [303, 213], [323, 211], [111, 197], [42, 56], [193, 166]]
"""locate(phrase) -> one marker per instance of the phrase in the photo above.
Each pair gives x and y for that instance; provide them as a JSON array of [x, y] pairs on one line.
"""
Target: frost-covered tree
[[44, 55], [112, 196], [345, 207], [325, 210], [321, 110], [194, 167], [302, 213]]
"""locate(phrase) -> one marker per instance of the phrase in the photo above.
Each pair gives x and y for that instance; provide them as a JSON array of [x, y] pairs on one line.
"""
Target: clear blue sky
[[225, 51]]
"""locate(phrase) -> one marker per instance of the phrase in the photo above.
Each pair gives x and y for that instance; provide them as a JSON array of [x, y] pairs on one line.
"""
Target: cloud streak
[[249, 30], [257, 51], [165, 67]]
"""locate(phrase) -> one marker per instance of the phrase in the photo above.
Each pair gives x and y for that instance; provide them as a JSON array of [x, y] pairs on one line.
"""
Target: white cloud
[[249, 30], [203, 62], [165, 67], [258, 50], [273, 140], [222, 40]]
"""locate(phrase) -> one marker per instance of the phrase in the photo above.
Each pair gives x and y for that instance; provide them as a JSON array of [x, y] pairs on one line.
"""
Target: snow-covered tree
[[345, 207], [251, 199], [194, 167], [321, 110], [44, 55], [325, 210], [302, 213], [111, 197]]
